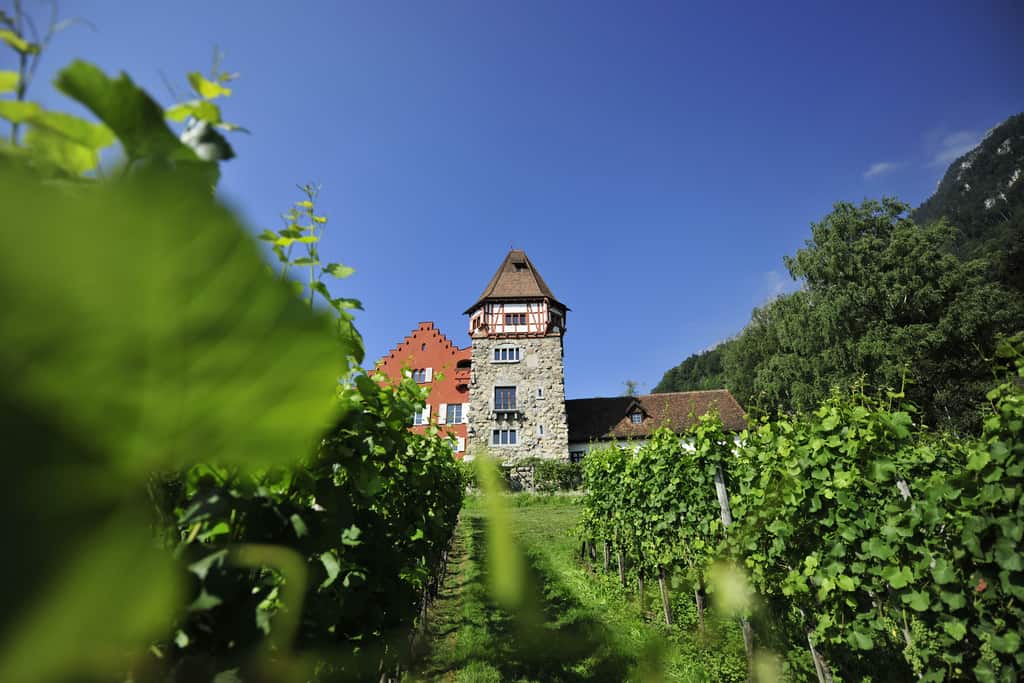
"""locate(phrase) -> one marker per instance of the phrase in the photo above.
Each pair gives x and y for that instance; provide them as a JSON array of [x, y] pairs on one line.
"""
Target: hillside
[[698, 372], [981, 194]]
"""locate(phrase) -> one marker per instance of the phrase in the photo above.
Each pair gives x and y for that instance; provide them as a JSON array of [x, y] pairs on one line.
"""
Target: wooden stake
[[723, 497], [663, 585], [622, 568], [726, 510], [820, 664], [640, 584], [698, 595], [607, 556]]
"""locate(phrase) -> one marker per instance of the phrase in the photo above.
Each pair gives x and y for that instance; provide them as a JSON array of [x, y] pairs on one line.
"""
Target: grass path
[[574, 625]]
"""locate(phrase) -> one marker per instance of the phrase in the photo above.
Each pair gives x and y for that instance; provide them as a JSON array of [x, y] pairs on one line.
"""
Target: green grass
[[573, 624]]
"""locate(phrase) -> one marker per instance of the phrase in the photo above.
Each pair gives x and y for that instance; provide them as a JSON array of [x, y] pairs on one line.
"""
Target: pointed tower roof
[[516, 279]]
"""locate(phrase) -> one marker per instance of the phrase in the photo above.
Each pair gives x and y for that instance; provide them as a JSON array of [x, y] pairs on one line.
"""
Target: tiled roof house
[[509, 384]]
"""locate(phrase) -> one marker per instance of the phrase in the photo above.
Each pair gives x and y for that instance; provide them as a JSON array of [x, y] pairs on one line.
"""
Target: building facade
[[505, 393], [434, 361], [517, 382]]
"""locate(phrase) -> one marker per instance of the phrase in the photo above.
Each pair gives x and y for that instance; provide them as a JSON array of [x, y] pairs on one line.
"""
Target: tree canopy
[[884, 301]]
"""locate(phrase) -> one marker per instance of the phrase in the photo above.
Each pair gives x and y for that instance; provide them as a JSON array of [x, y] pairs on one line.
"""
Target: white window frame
[[450, 410], [508, 351], [511, 437], [421, 417], [636, 417]]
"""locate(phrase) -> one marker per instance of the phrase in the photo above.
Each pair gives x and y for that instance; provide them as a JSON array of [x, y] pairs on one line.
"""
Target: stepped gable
[[517, 279], [406, 350], [595, 419]]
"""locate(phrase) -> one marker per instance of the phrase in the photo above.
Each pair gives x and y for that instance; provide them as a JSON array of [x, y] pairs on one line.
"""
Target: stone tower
[[517, 383]]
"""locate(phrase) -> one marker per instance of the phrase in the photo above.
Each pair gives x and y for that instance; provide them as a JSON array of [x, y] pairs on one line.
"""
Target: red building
[[442, 366]]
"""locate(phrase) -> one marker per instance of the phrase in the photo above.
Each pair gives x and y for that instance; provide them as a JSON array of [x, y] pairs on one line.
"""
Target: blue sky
[[655, 160]]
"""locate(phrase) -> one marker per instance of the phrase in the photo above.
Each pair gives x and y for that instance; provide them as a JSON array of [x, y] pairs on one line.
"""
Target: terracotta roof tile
[[593, 419]]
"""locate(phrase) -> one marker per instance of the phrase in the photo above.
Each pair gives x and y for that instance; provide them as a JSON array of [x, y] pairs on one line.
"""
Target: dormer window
[[519, 266], [636, 417]]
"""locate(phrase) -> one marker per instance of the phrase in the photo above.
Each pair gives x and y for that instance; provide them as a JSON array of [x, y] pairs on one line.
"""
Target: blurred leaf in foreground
[[141, 333]]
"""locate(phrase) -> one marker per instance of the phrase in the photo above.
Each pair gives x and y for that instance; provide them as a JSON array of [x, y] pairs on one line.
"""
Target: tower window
[[506, 355], [540, 430], [519, 266], [503, 437], [540, 392], [515, 318], [505, 398]]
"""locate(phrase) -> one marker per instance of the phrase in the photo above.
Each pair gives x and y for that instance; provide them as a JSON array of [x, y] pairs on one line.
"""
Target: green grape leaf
[[898, 577], [69, 156], [860, 641], [339, 271], [943, 572], [205, 88], [956, 629], [1009, 642], [110, 593], [18, 112], [917, 600], [331, 565], [127, 110], [978, 460], [200, 109], [350, 536], [9, 81], [154, 390]]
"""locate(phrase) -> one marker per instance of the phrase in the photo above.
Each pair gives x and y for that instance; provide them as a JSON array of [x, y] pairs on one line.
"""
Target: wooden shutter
[[430, 373], [442, 413], [460, 444], [426, 414]]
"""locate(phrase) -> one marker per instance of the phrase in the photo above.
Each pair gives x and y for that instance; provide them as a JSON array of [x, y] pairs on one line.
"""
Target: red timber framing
[[444, 368], [517, 319]]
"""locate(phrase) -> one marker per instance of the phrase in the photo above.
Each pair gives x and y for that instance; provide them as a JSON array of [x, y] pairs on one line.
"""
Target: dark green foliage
[[982, 194], [894, 550], [985, 173], [700, 371], [369, 516], [883, 298], [552, 475]]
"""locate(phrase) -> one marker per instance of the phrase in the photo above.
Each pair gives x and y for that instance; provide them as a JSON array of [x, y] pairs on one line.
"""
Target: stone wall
[[540, 367]]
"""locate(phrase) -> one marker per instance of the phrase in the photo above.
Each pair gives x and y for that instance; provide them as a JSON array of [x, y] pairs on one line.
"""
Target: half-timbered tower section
[[517, 384], [434, 361]]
